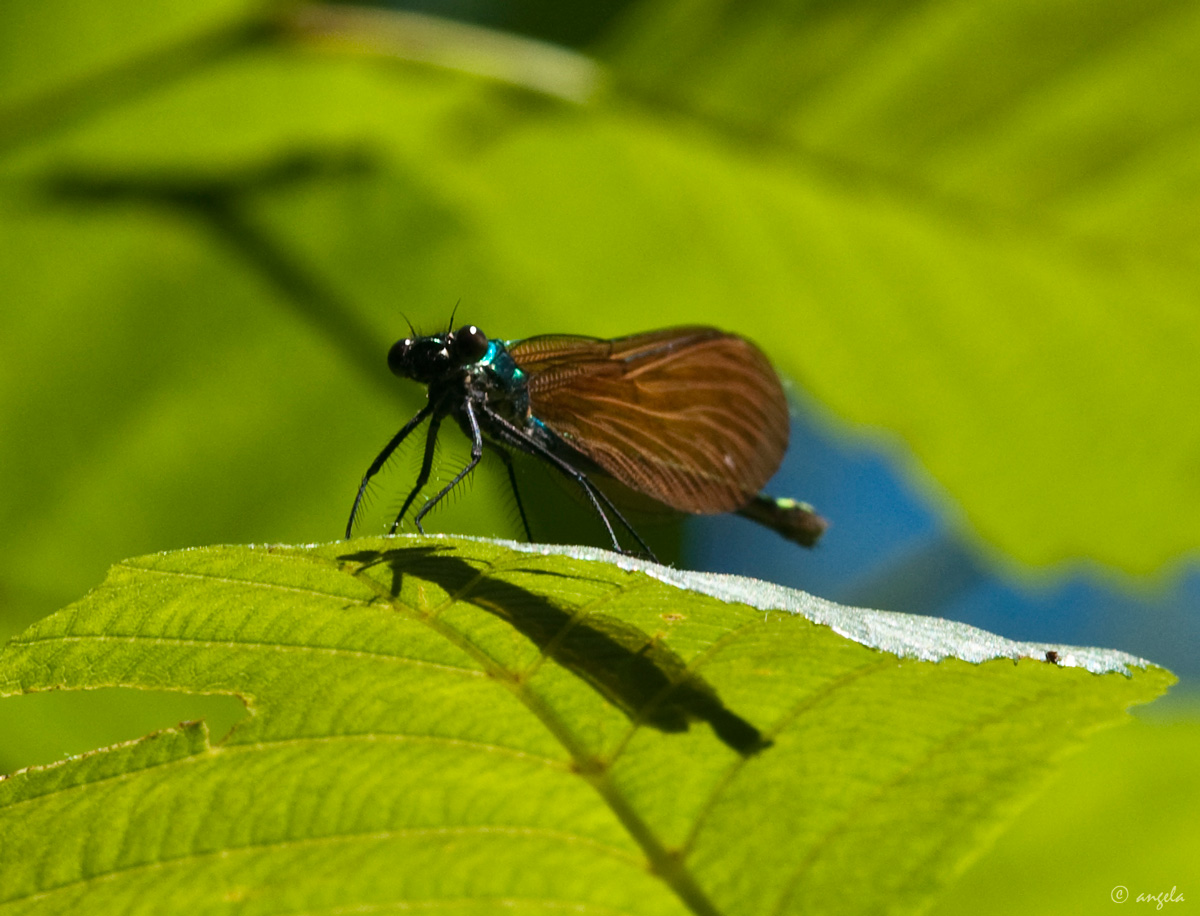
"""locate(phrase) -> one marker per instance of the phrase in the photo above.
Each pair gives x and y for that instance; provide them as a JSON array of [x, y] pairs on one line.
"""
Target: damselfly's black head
[[428, 359]]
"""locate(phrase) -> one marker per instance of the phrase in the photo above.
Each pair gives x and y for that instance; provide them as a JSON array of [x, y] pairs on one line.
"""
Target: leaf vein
[[332, 839], [823, 844], [245, 644]]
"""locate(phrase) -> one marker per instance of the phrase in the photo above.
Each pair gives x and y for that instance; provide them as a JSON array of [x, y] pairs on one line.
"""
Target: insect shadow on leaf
[[645, 679]]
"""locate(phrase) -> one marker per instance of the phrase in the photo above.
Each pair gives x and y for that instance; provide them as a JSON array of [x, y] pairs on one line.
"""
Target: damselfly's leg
[[426, 467], [594, 493], [381, 459], [476, 455], [512, 481]]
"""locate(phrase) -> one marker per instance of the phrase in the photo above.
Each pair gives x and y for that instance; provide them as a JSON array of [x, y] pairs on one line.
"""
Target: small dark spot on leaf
[[589, 766], [1052, 656], [672, 856]]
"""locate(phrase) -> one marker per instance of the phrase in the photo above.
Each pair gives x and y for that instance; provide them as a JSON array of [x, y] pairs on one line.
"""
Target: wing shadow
[[637, 673]]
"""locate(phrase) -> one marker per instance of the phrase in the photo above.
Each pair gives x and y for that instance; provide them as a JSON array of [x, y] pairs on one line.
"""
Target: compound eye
[[468, 345], [399, 360]]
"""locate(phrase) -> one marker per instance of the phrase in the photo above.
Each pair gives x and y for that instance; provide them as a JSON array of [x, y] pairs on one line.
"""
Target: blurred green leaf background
[[964, 229]]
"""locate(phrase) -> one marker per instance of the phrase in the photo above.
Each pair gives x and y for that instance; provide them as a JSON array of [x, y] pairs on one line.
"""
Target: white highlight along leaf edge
[[906, 635]]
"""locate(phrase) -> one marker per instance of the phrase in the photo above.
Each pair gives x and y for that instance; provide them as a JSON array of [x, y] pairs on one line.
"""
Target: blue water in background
[[894, 547]]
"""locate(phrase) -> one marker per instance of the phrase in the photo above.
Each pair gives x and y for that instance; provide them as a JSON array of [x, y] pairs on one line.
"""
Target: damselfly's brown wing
[[691, 416]]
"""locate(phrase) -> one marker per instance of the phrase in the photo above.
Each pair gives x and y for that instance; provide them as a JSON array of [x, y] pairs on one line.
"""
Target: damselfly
[[689, 418]]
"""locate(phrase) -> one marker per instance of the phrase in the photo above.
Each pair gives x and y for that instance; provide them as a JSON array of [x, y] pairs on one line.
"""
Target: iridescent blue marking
[[507, 389], [497, 359]]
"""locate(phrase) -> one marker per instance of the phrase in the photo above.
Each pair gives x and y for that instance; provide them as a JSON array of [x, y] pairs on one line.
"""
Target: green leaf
[[1139, 781], [968, 224], [998, 255], [439, 722], [54, 51]]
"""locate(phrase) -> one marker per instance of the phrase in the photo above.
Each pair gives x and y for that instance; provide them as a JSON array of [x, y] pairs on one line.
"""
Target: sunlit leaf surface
[[458, 724]]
